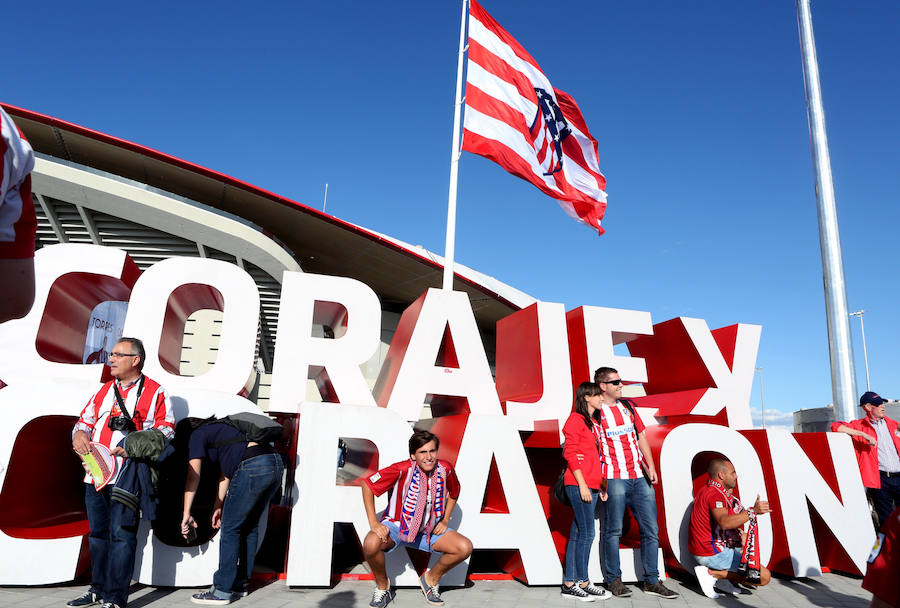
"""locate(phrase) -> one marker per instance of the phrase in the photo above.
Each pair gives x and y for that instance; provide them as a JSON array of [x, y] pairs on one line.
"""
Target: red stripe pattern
[[153, 410], [515, 117], [619, 444], [18, 222]]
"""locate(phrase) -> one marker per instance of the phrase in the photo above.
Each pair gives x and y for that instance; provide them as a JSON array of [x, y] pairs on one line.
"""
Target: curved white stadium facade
[[94, 188]]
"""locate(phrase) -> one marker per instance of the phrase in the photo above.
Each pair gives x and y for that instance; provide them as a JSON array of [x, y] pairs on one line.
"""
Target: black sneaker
[[88, 598], [598, 592], [576, 593], [659, 590], [618, 588]]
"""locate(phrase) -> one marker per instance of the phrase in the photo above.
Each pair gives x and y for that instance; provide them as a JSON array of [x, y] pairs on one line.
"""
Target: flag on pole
[[515, 117]]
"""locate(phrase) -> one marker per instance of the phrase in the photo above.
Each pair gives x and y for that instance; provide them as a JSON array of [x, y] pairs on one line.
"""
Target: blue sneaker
[[432, 597], [208, 598], [88, 598], [381, 598]]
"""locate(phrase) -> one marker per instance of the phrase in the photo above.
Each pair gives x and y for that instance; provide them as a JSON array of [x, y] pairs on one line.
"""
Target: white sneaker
[[723, 585], [707, 582]]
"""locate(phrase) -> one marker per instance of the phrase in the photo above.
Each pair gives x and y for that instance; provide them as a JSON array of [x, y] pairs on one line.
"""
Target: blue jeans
[[112, 547], [581, 536], [251, 489], [638, 496]]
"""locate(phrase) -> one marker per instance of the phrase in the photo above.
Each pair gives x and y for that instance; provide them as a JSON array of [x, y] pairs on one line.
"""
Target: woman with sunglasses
[[584, 485]]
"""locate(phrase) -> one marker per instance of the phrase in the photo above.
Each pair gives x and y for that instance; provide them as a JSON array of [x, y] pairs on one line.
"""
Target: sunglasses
[[613, 382]]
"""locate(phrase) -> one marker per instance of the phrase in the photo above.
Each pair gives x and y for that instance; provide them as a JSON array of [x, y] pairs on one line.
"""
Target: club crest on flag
[[515, 117], [548, 131]]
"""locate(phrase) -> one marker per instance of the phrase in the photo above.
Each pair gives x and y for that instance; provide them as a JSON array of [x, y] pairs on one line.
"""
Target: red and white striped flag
[[516, 118]]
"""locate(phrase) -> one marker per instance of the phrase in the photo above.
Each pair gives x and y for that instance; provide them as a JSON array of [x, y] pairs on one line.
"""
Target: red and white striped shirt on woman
[[152, 410], [619, 443]]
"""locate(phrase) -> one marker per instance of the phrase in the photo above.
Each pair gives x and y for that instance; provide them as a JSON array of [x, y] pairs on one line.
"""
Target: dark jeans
[[581, 536], [112, 547], [886, 499], [638, 496], [251, 489]]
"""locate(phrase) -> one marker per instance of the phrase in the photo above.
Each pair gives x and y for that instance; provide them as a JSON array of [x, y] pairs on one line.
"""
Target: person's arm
[[190, 490], [644, 447], [220, 501], [736, 520], [377, 527], [441, 526], [162, 416], [843, 428], [573, 453], [81, 433]]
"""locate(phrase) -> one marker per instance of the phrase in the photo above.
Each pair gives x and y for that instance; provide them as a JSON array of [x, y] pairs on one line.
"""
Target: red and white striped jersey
[[396, 478], [619, 443], [152, 410]]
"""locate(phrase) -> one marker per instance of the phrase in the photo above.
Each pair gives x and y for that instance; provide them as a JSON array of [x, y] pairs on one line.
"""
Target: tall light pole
[[840, 346], [862, 327], [762, 403]]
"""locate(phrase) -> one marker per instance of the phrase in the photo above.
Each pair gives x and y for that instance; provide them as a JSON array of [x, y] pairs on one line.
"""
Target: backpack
[[257, 428]]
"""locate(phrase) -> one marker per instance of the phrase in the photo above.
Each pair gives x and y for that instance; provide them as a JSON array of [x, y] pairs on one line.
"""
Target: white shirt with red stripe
[[16, 163], [619, 442], [152, 410]]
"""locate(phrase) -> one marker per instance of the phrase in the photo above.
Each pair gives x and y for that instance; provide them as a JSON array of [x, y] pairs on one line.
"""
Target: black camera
[[121, 423]]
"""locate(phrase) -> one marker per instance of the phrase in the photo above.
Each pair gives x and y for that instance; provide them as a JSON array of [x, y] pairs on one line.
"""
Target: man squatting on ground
[[249, 475], [113, 529], [876, 440], [717, 540], [625, 451], [423, 493]]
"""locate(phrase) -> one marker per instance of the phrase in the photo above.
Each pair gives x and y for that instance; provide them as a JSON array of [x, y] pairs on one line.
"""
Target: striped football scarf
[[750, 565], [414, 501]]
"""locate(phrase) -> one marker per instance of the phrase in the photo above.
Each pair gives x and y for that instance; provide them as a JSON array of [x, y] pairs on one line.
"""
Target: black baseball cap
[[871, 398]]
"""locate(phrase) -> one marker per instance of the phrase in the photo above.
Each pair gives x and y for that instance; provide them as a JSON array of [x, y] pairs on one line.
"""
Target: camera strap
[[121, 401]]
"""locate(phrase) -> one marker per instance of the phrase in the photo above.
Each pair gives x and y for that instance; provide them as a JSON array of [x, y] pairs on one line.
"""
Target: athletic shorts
[[727, 559], [420, 542]]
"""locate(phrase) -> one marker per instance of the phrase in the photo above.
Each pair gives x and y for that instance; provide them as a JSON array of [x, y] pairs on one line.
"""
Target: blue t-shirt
[[228, 456]]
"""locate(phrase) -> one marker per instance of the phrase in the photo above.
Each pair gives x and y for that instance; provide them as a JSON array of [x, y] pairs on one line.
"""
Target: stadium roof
[[322, 243]]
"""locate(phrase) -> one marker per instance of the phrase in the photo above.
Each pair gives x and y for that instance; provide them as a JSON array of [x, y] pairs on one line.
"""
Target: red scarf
[[750, 565]]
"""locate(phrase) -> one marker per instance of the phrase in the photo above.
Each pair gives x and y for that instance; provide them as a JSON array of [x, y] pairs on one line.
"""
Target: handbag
[[559, 489]]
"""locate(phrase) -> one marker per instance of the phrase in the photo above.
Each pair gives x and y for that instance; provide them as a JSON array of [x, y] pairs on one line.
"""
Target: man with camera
[[128, 403]]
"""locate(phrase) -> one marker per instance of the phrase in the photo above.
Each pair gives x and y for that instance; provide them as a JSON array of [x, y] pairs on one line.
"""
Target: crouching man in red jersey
[[423, 493]]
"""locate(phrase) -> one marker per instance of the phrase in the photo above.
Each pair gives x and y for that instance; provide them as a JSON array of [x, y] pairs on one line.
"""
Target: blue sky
[[698, 108]]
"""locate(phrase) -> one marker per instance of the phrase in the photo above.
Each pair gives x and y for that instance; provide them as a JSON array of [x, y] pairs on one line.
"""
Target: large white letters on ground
[[240, 320], [300, 355], [19, 360], [733, 385], [679, 448], [798, 482], [418, 376], [555, 402], [601, 326], [321, 503], [525, 526], [38, 387]]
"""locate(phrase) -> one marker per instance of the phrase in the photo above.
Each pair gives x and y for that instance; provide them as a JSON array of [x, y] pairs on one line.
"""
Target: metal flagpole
[[455, 153], [840, 346], [862, 328]]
